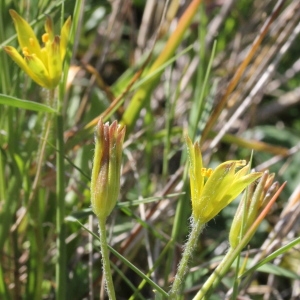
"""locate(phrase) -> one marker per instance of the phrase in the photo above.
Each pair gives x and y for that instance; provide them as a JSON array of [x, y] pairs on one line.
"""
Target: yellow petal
[[26, 35], [64, 37], [19, 60], [39, 71], [221, 178], [243, 171], [196, 177], [241, 183], [54, 61], [227, 195], [210, 202]]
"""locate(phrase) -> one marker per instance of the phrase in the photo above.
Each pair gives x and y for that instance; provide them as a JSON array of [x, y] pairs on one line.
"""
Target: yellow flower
[[42, 64], [105, 182], [224, 184]]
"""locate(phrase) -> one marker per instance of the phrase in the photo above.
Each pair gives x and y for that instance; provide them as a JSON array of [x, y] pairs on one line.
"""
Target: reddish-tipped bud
[[105, 183]]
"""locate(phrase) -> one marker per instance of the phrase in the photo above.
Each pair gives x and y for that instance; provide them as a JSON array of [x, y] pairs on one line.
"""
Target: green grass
[[162, 86]]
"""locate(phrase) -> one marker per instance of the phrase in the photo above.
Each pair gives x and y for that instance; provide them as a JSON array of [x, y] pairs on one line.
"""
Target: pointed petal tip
[[8, 49], [49, 27], [13, 53], [15, 16], [68, 21], [241, 162], [13, 13]]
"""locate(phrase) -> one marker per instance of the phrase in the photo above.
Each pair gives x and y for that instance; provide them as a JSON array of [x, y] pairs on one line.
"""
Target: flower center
[[206, 172], [25, 51]]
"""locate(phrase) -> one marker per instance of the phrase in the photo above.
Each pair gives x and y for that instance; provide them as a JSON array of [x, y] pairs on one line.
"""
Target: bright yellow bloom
[[42, 64], [105, 182], [224, 184]]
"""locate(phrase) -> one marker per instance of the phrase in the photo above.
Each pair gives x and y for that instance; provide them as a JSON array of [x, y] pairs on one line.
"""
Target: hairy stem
[[105, 260], [186, 256]]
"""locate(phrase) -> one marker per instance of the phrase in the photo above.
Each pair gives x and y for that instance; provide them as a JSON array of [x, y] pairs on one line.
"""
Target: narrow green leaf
[[25, 104], [126, 262], [272, 256]]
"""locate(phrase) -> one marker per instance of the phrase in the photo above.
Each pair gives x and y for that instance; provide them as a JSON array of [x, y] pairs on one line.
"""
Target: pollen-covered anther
[[45, 38], [25, 51], [206, 172]]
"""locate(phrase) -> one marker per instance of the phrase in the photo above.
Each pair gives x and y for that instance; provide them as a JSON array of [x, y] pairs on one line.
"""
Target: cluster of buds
[[253, 202], [105, 182], [223, 185], [42, 64]]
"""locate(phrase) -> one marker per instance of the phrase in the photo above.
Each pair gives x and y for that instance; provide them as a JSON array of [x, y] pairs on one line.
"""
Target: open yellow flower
[[224, 184], [42, 64]]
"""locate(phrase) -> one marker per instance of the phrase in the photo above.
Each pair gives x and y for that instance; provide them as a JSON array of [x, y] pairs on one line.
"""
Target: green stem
[[3, 288], [233, 253], [38, 249], [186, 256], [61, 274], [216, 276], [105, 260]]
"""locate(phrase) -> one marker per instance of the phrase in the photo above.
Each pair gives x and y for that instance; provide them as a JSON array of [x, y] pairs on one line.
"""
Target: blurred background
[[232, 82]]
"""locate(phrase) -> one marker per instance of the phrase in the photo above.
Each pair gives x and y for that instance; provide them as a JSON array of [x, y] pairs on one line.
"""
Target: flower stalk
[[189, 247], [263, 198], [44, 65], [209, 197]]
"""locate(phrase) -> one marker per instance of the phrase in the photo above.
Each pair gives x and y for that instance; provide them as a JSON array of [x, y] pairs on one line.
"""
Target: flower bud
[[249, 208], [105, 182]]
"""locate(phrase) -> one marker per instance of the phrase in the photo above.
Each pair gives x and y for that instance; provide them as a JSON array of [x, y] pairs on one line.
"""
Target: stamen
[[45, 37], [25, 51], [206, 172]]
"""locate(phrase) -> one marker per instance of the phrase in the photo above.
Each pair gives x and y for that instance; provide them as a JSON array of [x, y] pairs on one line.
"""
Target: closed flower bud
[[250, 207], [105, 182]]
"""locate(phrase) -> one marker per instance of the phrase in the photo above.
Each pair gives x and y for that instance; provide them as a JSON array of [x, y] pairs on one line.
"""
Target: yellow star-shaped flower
[[224, 184], [42, 64]]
